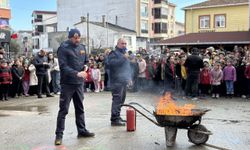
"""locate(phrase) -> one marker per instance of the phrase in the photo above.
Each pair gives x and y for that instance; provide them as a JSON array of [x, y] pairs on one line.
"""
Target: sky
[[21, 11]]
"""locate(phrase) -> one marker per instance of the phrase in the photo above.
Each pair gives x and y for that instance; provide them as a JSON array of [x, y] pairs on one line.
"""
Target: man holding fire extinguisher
[[120, 77]]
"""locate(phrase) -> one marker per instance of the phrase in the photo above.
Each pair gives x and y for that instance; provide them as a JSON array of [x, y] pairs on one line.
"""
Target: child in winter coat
[[102, 71], [216, 77], [205, 79], [96, 77], [5, 80], [26, 79], [229, 76], [247, 74]]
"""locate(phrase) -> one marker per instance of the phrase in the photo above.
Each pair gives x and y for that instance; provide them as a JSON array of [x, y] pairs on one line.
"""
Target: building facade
[[217, 16], [105, 35], [43, 22], [151, 19], [5, 13]]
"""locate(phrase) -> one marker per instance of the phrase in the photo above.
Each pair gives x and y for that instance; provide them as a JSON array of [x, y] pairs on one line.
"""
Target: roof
[[217, 3], [241, 37], [179, 23], [111, 26], [44, 12]]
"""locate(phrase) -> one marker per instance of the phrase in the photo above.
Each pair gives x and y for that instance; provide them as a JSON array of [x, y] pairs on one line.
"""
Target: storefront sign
[[4, 36]]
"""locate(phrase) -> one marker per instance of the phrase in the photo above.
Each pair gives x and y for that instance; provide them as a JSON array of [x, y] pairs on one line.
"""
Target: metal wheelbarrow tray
[[197, 133]]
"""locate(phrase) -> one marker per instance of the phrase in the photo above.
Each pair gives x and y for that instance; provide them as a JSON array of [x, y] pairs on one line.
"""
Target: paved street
[[29, 123]]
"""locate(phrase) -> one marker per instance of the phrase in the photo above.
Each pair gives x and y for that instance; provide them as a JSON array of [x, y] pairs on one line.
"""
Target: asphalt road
[[28, 123]]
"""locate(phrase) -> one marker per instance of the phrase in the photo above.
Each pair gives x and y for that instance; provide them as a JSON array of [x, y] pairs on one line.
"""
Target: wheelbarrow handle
[[134, 103], [144, 115]]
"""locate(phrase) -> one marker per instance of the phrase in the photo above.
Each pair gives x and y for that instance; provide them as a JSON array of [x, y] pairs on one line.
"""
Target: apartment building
[[151, 19], [43, 22]]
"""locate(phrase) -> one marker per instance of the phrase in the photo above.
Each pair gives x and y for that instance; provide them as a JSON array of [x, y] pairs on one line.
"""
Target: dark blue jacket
[[41, 69], [72, 59], [120, 71]]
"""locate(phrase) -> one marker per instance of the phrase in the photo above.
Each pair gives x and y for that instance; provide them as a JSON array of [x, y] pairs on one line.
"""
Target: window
[[157, 27], [160, 27], [144, 26], [164, 28], [144, 10], [164, 13], [157, 1], [220, 21], [39, 28], [157, 13], [204, 22], [4, 4]]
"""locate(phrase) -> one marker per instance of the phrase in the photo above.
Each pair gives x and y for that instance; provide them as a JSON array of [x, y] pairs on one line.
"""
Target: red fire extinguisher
[[131, 119]]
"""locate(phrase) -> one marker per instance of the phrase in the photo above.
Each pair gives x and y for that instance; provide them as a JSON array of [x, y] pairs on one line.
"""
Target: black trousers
[[118, 98], [215, 89], [68, 92], [4, 89], [192, 83], [43, 81]]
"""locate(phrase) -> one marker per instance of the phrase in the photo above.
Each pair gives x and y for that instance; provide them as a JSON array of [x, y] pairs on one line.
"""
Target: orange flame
[[167, 106]]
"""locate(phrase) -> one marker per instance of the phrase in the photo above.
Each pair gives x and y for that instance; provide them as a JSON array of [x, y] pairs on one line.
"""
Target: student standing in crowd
[[247, 74], [229, 75], [102, 71], [5, 79], [17, 77], [216, 78], [205, 79], [26, 79], [33, 80], [55, 73], [96, 77]]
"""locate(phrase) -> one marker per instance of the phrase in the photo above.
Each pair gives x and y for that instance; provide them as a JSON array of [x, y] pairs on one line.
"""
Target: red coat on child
[[205, 77]]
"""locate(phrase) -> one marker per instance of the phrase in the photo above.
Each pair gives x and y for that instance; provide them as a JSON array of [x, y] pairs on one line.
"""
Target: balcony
[[144, 31], [160, 1]]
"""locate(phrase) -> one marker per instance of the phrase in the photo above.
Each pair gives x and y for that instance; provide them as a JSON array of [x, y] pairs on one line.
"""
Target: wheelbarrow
[[197, 133]]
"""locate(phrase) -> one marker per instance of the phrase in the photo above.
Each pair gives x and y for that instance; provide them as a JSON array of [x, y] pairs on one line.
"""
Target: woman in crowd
[[17, 76]]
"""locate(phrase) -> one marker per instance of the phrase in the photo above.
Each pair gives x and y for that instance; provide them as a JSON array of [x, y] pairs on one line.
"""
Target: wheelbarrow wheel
[[195, 137]]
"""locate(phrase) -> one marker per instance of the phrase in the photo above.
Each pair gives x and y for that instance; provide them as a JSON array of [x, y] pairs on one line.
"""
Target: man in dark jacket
[[120, 77], [193, 65], [42, 66], [72, 58]]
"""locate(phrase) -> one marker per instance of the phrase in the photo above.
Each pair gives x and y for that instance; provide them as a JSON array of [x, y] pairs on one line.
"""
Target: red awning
[[208, 38]]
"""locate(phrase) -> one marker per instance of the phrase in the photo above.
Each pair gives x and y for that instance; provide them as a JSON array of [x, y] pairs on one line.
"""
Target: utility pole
[[88, 33]]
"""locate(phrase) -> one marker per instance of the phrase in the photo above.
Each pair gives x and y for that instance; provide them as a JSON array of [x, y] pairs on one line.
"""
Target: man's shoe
[[49, 95], [39, 96], [58, 141], [85, 134], [117, 123]]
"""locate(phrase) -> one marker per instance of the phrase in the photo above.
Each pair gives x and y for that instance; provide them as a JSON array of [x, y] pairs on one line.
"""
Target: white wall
[[70, 11], [100, 36]]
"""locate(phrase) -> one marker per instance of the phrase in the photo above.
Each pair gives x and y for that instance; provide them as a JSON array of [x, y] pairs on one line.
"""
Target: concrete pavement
[[29, 124]]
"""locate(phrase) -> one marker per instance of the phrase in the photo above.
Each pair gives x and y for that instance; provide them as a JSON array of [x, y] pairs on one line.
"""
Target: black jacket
[[120, 70], [72, 59], [194, 63], [41, 69]]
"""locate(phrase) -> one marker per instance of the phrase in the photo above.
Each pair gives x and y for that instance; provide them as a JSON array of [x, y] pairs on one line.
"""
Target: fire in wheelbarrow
[[173, 117]]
